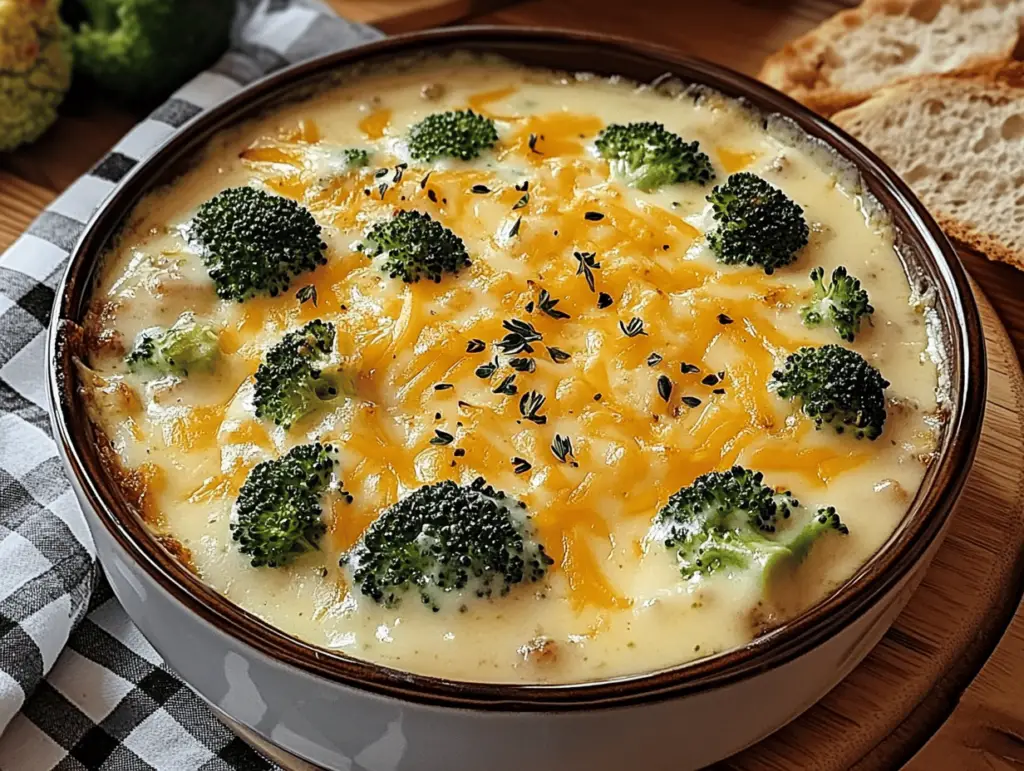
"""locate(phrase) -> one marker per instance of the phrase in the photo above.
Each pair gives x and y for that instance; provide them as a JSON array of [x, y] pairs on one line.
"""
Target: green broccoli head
[[144, 49], [414, 246], [724, 519], [277, 515], [454, 134], [732, 520], [446, 538], [355, 157], [290, 383], [841, 303], [187, 346], [756, 224], [255, 243], [837, 386], [650, 156], [35, 69]]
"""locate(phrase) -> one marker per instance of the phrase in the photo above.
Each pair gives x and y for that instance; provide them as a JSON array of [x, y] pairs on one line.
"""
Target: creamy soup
[[645, 411]]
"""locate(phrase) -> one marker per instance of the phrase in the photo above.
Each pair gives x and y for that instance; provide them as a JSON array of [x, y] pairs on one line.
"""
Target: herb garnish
[[723, 319], [521, 465], [523, 186], [460, 452], [399, 172], [523, 364], [710, 380], [443, 437], [604, 300], [691, 401], [587, 264], [443, 386], [514, 230], [423, 182], [633, 328], [507, 386], [547, 305], [664, 387], [688, 369], [380, 173], [593, 216], [522, 202], [562, 447], [718, 391], [432, 195], [520, 335], [557, 354], [654, 360], [306, 294], [476, 345], [533, 144], [484, 371], [479, 189], [529, 406]]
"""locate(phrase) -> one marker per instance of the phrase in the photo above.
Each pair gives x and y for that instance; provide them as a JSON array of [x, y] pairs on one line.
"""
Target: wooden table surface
[[736, 33]]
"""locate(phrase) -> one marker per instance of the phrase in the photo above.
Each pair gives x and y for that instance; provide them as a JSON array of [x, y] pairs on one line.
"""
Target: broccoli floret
[[841, 303], [649, 155], [278, 515], [255, 243], [757, 224], [35, 69], [289, 381], [355, 157], [453, 134], [414, 245], [837, 386], [723, 519], [447, 538], [825, 521], [186, 346], [731, 519], [144, 49]]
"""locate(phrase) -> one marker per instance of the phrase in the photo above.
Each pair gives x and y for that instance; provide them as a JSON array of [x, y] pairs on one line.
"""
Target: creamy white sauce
[[390, 334]]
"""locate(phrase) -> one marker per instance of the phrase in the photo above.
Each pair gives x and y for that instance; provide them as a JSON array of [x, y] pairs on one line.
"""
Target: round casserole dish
[[344, 713]]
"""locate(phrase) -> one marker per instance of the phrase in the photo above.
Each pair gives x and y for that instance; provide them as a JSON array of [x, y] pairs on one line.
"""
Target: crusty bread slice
[[848, 57], [958, 141]]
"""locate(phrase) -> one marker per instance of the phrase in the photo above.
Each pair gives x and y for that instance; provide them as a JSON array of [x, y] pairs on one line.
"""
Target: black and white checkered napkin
[[80, 688]]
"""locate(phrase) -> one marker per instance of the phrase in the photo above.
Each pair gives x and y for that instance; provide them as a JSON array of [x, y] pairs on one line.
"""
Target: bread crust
[[804, 67], [1002, 82]]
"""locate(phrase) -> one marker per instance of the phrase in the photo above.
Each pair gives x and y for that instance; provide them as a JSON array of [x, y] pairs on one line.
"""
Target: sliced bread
[[848, 57], [958, 141]]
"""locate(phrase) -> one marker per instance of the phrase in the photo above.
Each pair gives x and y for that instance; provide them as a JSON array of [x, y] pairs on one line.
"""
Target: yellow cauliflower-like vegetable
[[35, 68]]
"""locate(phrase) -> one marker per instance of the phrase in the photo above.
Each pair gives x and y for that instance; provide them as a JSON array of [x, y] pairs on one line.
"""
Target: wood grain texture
[[394, 16]]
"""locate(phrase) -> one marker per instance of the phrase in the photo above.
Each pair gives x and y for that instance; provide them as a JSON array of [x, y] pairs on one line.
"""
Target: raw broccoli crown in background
[[35, 69], [144, 49], [278, 512], [756, 224], [837, 386], [841, 303], [415, 246], [254, 243], [289, 380], [454, 134], [650, 155], [731, 519], [187, 346], [444, 538]]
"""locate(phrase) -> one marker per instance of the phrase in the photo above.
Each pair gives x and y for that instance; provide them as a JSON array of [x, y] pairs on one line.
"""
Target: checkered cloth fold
[[80, 688]]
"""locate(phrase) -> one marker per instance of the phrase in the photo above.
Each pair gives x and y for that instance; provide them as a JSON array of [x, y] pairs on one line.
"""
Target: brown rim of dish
[[925, 249]]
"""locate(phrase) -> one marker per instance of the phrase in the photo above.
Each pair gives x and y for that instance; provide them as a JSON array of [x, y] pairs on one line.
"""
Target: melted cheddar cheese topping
[[528, 212]]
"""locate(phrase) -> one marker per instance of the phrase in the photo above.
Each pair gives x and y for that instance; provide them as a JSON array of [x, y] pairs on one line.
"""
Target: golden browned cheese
[[613, 603]]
